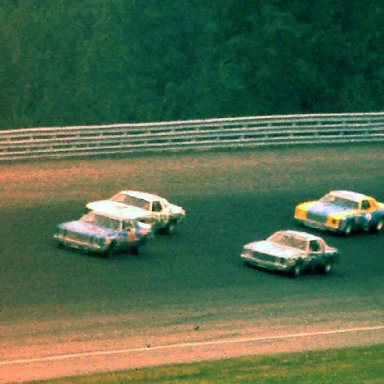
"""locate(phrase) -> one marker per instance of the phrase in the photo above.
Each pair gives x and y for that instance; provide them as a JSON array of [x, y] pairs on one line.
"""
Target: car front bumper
[[272, 265], [80, 244], [317, 225]]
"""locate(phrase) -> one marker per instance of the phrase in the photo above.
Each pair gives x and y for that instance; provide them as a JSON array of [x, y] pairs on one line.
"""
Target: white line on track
[[191, 344]]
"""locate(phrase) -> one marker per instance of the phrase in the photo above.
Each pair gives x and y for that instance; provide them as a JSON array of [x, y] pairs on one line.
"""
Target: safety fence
[[76, 141]]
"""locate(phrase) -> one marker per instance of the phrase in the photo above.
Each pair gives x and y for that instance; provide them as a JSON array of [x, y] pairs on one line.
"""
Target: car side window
[[146, 206], [156, 206], [127, 225], [314, 246]]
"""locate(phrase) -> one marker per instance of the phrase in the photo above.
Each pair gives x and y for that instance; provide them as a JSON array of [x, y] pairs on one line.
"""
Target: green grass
[[352, 365]]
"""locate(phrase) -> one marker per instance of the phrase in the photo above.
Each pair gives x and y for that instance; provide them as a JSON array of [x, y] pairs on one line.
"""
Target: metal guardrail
[[60, 142]]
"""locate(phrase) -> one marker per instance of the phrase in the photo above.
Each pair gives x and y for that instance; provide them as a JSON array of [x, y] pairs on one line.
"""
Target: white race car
[[153, 209], [291, 251]]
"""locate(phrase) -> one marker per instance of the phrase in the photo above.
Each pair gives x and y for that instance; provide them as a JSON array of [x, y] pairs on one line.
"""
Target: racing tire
[[367, 227], [170, 228], [327, 267], [379, 226], [296, 270], [109, 251], [348, 229], [134, 250]]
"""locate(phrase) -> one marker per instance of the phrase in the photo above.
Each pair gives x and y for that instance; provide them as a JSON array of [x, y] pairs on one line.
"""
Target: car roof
[[119, 211], [349, 195], [303, 235], [142, 195]]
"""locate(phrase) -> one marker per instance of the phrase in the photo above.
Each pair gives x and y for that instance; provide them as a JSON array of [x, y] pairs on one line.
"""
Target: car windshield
[[101, 221], [340, 201], [289, 240], [130, 200]]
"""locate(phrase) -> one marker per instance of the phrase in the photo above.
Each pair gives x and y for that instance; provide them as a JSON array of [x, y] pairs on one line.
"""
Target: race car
[[104, 232], [291, 251], [153, 209], [342, 212]]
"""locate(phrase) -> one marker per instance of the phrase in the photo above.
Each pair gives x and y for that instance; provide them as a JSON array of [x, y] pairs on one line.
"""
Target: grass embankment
[[353, 365]]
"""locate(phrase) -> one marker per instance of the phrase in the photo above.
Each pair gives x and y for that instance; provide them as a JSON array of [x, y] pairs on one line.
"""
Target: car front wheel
[[170, 228], [109, 251], [134, 250], [296, 270], [348, 228]]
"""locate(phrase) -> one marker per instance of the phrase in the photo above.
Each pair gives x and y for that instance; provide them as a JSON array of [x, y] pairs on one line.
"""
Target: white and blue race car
[[105, 231], [291, 251]]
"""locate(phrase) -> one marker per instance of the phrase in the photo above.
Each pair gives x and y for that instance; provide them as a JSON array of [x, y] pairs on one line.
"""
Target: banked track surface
[[74, 313]]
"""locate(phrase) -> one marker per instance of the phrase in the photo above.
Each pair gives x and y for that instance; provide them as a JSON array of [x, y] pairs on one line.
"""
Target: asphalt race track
[[190, 287]]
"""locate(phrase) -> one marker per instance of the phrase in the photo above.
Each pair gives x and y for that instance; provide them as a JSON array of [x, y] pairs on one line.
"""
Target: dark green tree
[[68, 62]]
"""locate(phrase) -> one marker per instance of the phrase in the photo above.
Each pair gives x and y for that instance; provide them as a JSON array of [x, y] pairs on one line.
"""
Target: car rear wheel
[[379, 226], [327, 267]]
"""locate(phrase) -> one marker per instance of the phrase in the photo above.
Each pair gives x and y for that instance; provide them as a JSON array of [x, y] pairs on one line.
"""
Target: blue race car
[[104, 232], [343, 212]]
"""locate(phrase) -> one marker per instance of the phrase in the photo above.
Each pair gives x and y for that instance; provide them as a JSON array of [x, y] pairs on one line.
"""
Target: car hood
[[327, 209], [88, 229], [274, 249], [175, 209]]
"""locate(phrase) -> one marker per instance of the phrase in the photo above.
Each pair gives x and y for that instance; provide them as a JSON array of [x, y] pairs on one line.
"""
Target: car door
[[367, 207], [128, 233], [316, 253]]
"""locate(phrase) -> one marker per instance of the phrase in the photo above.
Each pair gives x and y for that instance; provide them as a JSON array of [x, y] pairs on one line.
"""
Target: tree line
[[71, 62]]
